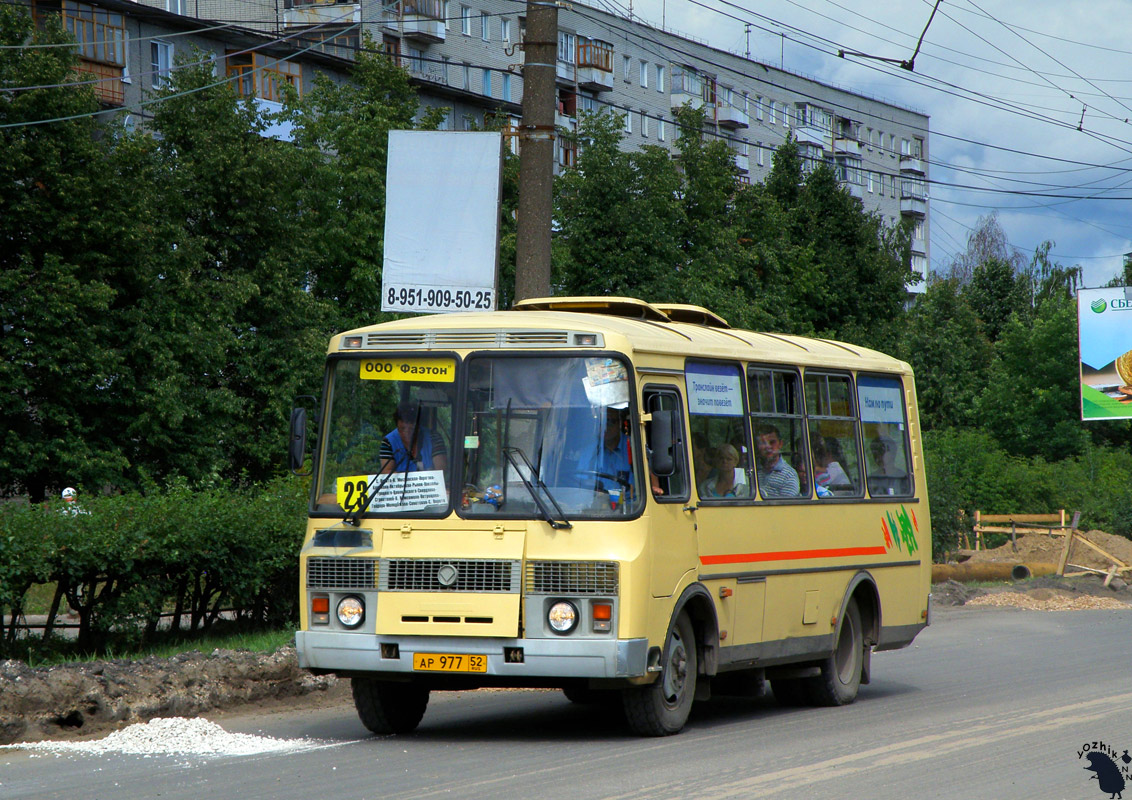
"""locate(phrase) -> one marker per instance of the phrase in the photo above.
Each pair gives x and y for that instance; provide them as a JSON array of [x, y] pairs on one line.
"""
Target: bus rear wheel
[[662, 708], [840, 676], [386, 707]]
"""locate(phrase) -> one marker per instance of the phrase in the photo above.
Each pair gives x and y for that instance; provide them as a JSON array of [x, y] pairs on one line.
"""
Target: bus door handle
[[695, 525], [690, 508]]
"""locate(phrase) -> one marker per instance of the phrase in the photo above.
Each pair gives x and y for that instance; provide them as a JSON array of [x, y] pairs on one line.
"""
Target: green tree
[[66, 229], [225, 331], [1031, 403], [343, 128], [945, 345], [618, 220]]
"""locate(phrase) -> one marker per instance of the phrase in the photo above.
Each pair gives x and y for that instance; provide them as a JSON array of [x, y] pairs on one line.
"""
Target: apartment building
[[465, 55], [128, 51]]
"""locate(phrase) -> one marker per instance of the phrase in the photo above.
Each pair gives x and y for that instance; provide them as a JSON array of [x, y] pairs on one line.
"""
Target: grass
[[40, 653]]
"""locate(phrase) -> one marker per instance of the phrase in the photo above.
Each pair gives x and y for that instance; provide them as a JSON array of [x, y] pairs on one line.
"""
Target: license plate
[[449, 662]]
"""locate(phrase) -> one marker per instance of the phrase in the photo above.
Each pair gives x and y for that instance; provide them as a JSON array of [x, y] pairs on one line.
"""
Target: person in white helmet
[[70, 502]]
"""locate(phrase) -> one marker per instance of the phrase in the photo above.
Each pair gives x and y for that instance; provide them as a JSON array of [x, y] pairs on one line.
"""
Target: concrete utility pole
[[536, 151]]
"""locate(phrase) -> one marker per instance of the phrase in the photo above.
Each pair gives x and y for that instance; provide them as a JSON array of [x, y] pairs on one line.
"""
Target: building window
[[567, 47], [759, 154], [160, 63], [871, 181], [770, 113], [177, 6], [485, 83], [660, 77], [256, 75], [904, 147], [466, 73], [878, 140], [507, 87], [892, 144], [628, 121], [644, 74], [644, 123], [660, 129], [917, 147], [447, 27], [416, 60], [505, 30], [869, 137], [465, 20], [627, 63], [485, 26]]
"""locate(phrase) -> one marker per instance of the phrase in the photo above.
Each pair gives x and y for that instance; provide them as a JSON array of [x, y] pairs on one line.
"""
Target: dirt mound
[[1042, 548], [50, 702]]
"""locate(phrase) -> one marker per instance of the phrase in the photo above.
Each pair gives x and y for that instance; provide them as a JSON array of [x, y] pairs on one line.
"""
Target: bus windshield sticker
[[881, 400], [606, 382], [413, 491], [436, 370], [714, 390]]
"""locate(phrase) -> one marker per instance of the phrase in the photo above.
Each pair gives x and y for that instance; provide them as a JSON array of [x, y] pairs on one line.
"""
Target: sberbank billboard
[[1104, 334]]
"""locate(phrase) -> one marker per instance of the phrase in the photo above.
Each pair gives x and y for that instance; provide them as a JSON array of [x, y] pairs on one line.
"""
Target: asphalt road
[[988, 703]]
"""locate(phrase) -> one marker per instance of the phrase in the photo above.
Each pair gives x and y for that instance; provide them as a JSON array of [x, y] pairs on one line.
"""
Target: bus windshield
[[553, 429], [547, 437], [388, 436]]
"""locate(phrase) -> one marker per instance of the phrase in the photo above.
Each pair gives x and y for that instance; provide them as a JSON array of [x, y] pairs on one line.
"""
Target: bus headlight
[[351, 611], [562, 617]]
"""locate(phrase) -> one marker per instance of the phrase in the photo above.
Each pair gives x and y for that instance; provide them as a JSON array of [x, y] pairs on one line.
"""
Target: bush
[[968, 470], [129, 559]]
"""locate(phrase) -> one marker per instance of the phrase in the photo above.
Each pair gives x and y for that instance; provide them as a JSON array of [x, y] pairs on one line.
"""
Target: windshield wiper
[[514, 454]]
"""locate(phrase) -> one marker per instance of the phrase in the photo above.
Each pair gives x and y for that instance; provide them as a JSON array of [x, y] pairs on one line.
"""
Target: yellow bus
[[629, 502]]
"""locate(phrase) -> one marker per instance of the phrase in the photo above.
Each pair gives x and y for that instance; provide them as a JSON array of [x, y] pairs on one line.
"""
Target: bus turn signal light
[[320, 610], [603, 617]]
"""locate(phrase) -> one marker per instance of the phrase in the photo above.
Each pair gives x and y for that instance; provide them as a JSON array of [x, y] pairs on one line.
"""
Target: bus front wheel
[[386, 707], [840, 676], [662, 708]]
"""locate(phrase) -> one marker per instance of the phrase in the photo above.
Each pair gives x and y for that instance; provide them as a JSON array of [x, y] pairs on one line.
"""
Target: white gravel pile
[[173, 736]]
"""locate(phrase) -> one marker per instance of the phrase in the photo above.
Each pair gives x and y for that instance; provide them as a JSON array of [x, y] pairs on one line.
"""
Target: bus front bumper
[[334, 651]]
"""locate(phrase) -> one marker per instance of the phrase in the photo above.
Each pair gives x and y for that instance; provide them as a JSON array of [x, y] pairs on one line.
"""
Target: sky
[[1030, 103]]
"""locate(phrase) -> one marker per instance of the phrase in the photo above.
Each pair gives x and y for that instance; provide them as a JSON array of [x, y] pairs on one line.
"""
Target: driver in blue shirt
[[608, 465]]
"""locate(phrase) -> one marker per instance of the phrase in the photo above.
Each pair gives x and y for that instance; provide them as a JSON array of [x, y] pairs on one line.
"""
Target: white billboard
[[442, 201]]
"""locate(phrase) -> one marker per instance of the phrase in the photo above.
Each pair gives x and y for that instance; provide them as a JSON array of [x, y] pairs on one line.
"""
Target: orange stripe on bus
[[787, 555]]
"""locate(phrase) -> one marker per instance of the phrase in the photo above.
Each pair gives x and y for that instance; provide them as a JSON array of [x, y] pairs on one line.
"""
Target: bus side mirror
[[662, 459], [297, 445]]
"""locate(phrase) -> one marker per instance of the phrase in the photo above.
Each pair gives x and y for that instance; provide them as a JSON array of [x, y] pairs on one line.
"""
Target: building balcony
[[919, 247], [809, 134], [742, 162], [594, 79], [426, 71], [728, 116], [911, 165], [846, 147], [595, 66], [566, 73], [913, 206], [423, 20], [323, 13]]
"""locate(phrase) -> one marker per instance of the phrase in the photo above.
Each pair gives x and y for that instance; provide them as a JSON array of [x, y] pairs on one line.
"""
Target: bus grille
[[572, 577], [342, 573], [472, 338], [449, 575]]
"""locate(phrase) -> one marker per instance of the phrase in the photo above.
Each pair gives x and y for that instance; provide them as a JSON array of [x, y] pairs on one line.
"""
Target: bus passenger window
[[720, 451], [884, 429], [779, 435], [832, 417]]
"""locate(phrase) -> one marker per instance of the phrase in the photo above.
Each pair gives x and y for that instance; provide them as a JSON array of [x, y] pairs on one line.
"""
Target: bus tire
[[385, 707], [662, 707], [841, 672]]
